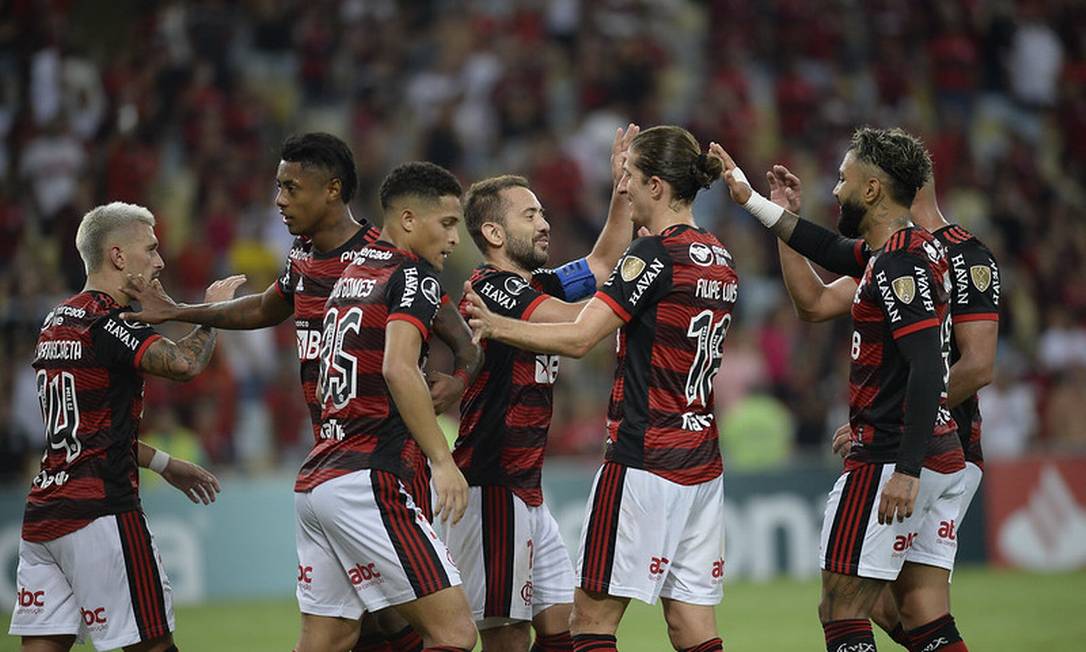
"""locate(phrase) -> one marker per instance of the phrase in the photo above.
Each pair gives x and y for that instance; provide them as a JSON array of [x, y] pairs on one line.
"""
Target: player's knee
[[688, 626], [885, 612]]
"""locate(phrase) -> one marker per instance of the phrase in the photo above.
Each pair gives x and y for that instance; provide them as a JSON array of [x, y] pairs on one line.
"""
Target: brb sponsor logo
[[364, 574], [657, 567], [28, 601], [94, 619], [716, 575], [903, 542]]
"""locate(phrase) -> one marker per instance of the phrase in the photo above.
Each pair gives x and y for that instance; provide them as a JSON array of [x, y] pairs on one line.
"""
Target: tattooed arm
[[181, 360]]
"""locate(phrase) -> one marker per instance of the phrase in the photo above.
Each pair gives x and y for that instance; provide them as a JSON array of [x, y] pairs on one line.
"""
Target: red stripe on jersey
[[399, 316], [143, 349], [912, 328], [977, 316], [615, 307], [538, 301]]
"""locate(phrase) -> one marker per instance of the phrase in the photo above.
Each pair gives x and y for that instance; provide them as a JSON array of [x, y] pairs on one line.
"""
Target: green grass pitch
[[995, 611]]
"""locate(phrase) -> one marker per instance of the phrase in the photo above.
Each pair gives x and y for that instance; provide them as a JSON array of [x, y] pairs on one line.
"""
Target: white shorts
[[511, 556], [363, 545], [104, 582], [973, 475], [853, 542], [646, 537]]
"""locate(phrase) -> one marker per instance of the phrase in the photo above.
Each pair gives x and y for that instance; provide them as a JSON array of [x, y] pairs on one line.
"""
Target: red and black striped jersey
[[306, 282], [975, 297], [91, 392], [361, 427], [506, 413], [676, 292], [905, 288]]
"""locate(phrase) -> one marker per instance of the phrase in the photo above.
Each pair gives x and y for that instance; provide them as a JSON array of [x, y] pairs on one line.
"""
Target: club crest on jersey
[[981, 275], [431, 290], [904, 288], [701, 254], [514, 285], [632, 266]]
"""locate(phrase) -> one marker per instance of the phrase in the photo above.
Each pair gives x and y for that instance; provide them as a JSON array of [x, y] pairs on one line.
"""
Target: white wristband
[[763, 210], [159, 461]]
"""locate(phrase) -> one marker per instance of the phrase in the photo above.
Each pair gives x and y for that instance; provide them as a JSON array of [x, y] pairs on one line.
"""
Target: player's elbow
[[184, 370], [809, 314], [395, 372]]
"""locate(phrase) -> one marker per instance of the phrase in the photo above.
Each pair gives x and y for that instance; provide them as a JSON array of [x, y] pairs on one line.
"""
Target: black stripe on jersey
[[499, 528], [602, 531], [144, 581], [636, 374]]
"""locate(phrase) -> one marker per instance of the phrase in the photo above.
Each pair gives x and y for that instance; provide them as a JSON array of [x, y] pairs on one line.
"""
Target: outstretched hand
[[223, 289], [196, 482], [785, 188], [620, 149], [738, 185], [155, 305]]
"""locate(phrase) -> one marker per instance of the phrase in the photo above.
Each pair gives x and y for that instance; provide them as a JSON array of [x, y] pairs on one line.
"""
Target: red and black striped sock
[[940, 634], [595, 643], [853, 635], [406, 640], [371, 641], [899, 635], [712, 645], [560, 642]]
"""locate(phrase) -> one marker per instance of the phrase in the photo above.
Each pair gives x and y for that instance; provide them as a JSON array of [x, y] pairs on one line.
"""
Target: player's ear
[[116, 257], [493, 233], [408, 220], [656, 187], [873, 189], [334, 190]]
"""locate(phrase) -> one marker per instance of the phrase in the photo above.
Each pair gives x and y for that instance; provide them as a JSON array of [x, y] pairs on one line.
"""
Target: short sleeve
[[287, 281], [976, 284], [509, 295], [414, 295], [641, 278], [119, 343], [905, 286]]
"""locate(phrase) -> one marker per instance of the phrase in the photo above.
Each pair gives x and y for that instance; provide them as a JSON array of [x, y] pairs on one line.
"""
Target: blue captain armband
[[577, 279]]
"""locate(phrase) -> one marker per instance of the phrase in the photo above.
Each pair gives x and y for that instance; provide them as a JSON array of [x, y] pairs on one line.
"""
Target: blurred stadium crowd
[[181, 106]]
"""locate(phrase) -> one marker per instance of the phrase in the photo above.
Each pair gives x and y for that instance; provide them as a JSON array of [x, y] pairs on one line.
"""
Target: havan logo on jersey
[[643, 284]]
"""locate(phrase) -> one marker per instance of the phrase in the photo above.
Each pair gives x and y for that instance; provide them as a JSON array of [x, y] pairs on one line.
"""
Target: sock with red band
[[712, 645], [595, 643], [405, 640], [940, 634], [852, 635], [560, 642]]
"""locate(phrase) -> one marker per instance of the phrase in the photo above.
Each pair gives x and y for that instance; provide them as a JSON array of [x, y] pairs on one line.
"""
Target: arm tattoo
[[181, 360]]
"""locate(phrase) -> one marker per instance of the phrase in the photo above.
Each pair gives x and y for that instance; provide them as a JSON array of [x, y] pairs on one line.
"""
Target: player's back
[[905, 289], [676, 292], [91, 392], [307, 280], [975, 297], [360, 424]]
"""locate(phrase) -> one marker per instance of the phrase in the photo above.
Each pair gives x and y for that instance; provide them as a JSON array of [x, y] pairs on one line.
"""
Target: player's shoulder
[[80, 309], [958, 240], [688, 245]]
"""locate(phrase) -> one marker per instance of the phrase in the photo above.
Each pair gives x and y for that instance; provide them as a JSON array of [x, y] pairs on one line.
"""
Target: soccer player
[[974, 309], [363, 544], [902, 461], [317, 179], [654, 528], [518, 572], [87, 560]]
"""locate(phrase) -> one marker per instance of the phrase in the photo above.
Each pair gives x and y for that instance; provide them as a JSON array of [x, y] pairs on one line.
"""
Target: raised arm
[[618, 229], [244, 313], [813, 299], [406, 384]]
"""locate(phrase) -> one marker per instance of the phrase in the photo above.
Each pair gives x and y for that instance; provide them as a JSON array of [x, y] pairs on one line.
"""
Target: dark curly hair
[[327, 152], [899, 154], [673, 154], [418, 178]]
